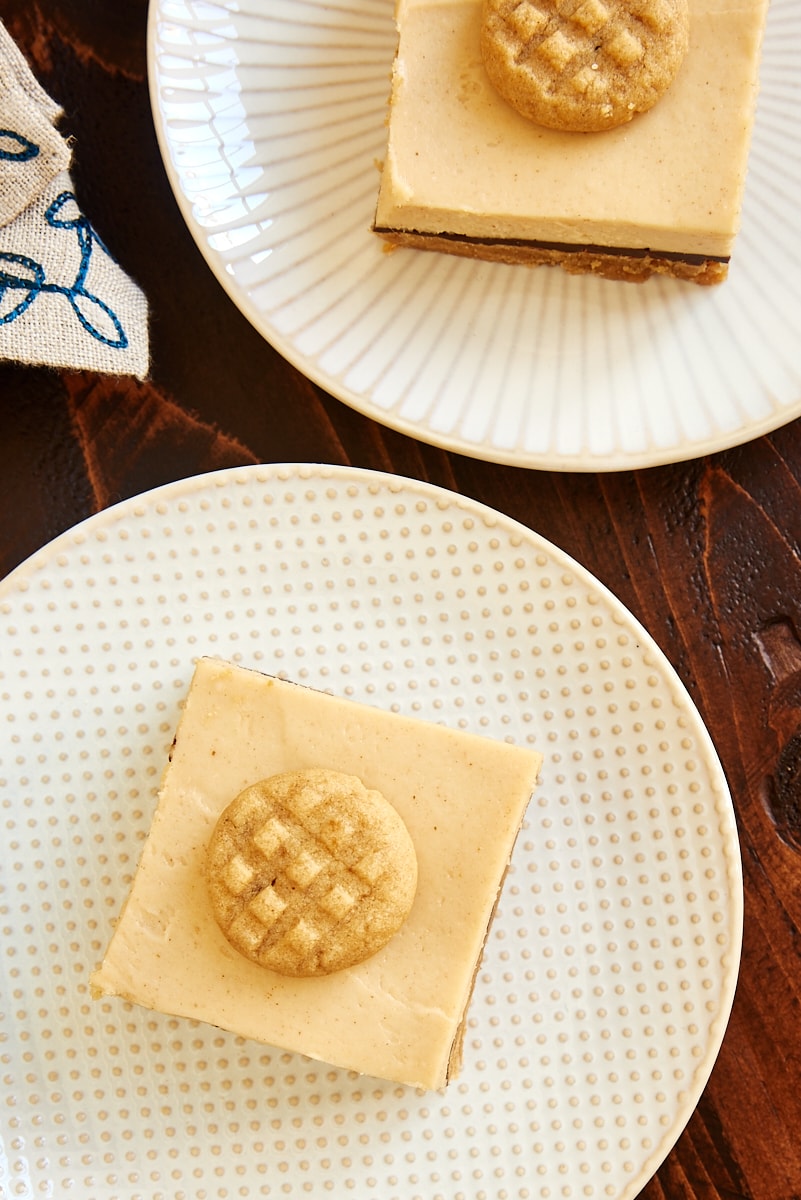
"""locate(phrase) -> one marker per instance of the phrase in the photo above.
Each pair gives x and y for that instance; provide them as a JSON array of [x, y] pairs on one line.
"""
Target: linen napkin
[[64, 300]]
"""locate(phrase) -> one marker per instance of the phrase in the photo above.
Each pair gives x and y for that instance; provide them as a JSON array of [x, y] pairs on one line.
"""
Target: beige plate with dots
[[609, 972]]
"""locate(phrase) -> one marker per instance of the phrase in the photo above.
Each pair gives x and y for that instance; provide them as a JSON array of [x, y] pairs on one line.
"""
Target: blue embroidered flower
[[20, 150], [21, 274]]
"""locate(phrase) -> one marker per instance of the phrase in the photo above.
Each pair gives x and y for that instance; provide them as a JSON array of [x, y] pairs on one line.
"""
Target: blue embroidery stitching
[[36, 283], [26, 150]]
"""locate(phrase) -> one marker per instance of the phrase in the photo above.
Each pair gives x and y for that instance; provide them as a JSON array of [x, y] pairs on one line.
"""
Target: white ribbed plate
[[609, 972], [270, 115]]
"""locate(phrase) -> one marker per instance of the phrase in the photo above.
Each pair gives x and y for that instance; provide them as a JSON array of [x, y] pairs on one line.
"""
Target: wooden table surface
[[707, 554]]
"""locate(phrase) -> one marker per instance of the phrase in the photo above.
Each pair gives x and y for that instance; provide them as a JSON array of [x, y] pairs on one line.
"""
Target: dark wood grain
[[706, 554]]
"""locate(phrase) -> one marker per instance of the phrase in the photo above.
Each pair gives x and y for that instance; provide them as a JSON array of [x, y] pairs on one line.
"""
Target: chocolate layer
[[561, 248]]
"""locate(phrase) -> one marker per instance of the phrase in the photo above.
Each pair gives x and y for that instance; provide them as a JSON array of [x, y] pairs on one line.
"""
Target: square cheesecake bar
[[466, 174], [398, 1015]]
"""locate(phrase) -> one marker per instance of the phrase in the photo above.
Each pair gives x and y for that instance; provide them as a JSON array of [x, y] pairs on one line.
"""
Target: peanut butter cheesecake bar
[[466, 173], [320, 875]]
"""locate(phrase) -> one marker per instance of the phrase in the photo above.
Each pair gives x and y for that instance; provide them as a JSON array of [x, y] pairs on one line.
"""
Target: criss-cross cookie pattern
[[304, 874], [583, 64]]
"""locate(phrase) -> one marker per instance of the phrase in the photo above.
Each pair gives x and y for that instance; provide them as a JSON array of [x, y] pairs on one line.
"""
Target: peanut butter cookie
[[310, 872], [583, 65]]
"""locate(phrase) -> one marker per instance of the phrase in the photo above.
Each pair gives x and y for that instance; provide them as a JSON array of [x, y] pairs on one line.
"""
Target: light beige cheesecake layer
[[398, 1015], [461, 161]]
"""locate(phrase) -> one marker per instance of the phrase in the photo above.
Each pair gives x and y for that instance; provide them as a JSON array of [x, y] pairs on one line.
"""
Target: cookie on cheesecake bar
[[583, 65]]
